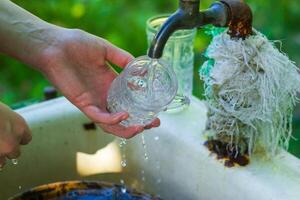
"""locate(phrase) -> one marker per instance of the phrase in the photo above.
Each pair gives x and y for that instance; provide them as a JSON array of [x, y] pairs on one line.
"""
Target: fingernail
[[140, 129], [157, 125], [118, 116]]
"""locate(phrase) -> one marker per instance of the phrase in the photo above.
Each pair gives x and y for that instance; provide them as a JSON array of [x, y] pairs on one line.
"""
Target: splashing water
[[146, 158], [145, 148], [122, 142], [122, 145], [151, 79], [143, 175], [157, 166]]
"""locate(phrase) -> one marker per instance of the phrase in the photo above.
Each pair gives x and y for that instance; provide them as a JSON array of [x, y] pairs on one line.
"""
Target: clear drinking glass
[[144, 88], [179, 53]]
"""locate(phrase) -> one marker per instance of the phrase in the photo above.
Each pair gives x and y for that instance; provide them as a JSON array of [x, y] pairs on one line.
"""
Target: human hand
[[77, 65], [13, 133], [74, 61]]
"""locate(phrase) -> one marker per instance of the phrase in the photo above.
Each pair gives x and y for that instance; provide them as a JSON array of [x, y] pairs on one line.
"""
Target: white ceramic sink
[[179, 166]]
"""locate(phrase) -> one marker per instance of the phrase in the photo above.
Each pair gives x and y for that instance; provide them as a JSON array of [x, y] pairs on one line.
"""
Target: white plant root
[[251, 90]]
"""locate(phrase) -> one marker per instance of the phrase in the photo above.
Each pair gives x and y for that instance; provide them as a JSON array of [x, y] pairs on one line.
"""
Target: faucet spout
[[185, 17], [161, 38], [233, 13]]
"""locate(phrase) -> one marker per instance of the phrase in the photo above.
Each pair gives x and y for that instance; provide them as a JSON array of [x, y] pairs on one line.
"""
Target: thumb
[[116, 55]]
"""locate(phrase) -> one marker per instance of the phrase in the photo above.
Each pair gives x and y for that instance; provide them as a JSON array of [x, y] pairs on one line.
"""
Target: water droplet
[[122, 142], [146, 157], [156, 138], [143, 141], [143, 175], [122, 145], [123, 190], [20, 187], [136, 83], [141, 83], [145, 148], [151, 114], [123, 163], [14, 161]]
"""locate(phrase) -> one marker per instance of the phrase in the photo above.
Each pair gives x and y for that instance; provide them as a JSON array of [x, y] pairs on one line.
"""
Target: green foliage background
[[123, 23]]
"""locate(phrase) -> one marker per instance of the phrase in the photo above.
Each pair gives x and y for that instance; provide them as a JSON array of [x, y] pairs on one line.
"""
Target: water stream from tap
[[151, 79]]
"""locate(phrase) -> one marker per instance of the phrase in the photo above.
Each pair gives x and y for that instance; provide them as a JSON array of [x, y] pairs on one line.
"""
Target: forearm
[[23, 35]]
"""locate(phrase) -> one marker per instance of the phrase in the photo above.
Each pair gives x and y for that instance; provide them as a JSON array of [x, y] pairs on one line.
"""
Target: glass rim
[[159, 19]]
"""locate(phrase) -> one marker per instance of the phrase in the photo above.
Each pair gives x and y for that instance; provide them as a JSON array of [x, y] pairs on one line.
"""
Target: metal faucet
[[232, 13]]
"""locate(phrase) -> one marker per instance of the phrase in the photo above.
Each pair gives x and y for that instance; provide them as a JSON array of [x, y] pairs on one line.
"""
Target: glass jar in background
[[179, 52]]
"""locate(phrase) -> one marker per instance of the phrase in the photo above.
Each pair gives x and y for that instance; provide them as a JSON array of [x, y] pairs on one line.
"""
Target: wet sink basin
[[67, 146], [82, 190]]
